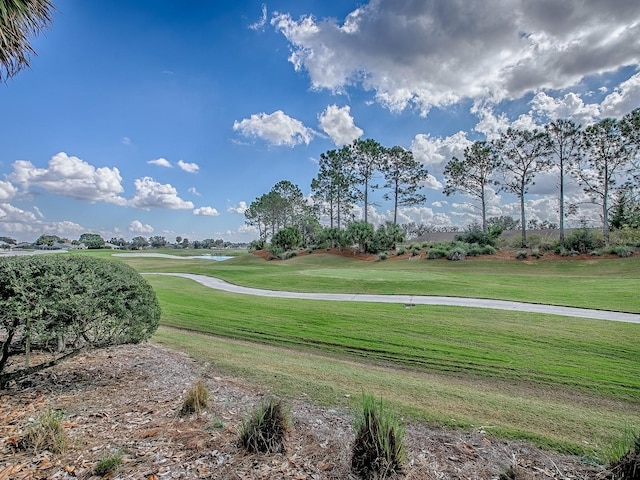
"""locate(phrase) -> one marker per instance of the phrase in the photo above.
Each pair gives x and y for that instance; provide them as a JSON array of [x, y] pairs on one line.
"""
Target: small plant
[[383, 256], [535, 252], [378, 449], [265, 429], [108, 463], [196, 399], [46, 433], [475, 250], [401, 251], [522, 254], [415, 252]]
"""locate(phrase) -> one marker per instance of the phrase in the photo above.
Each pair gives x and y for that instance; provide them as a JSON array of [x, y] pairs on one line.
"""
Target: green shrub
[[401, 251], [583, 240], [286, 239], [378, 449], [489, 250], [476, 235], [457, 253], [63, 304], [435, 253], [625, 236], [622, 251], [475, 250], [107, 464], [521, 254], [383, 256], [46, 433], [265, 429], [257, 245], [415, 252], [535, 252], [196, 399]]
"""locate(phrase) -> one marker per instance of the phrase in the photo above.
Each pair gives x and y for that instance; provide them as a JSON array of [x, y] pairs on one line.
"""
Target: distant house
[[112, 246]]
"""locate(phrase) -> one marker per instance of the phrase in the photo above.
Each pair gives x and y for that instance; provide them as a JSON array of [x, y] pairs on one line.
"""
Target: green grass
[[547, 350], [609, 284]]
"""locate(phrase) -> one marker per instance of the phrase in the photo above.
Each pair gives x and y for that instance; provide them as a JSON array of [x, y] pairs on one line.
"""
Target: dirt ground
[[128, 398]]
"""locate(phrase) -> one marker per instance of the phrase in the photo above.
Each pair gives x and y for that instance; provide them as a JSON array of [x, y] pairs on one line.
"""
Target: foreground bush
[[378, 449], [265, 429], [60, 305], [627, 467]]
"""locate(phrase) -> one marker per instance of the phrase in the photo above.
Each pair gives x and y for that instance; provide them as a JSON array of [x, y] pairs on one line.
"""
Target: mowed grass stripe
[[591, 356], [551, 417], [607, 284]]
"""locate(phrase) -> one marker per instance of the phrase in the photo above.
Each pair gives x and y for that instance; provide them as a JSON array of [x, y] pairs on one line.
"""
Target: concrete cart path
[[408, 300]]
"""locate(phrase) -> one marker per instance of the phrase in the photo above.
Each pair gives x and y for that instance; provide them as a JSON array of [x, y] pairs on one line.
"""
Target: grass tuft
[[196, 399], [265, 429], [627, 464], [46, 433], [378, 449], [108, 463]]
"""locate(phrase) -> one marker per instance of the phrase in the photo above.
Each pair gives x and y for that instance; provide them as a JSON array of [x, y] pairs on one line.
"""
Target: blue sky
[[160, 117]]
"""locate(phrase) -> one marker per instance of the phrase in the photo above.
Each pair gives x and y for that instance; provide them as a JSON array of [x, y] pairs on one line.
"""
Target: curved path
[[409, 300]]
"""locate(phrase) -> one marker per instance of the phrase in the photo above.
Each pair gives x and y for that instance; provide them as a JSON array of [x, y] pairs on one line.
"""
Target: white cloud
[[71, 177], [195, 192], [571, 107], [7, 191], [9, 213], [623, 99], [276, 128], [436, 151], [206, 211], [138, 227], [337, 122], [188, 167], [126, 141], [38, 212], [26, 230], [151, 194], [238, 209], [259, 25], [432, 182], [432, 53], [161, 162]]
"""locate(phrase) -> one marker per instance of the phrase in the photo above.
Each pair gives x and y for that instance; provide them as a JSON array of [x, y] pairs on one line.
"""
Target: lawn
[[608, 284], [559, 381], [563, 382]]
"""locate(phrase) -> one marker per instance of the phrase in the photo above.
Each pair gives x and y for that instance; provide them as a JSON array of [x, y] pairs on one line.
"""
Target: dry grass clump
[[265, 429], [108, 463], [46, 433], [196, 399], [378, 449]]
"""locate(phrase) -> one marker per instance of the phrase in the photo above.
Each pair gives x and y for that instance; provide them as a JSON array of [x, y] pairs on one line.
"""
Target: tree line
[[602, 158]]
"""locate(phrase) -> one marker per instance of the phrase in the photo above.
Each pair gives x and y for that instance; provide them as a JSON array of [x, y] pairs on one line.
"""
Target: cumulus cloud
[[7, 191], [623, 99], [25, 230], [71, 177], [206, 211], [276, 128], [432, 53], [188, 167], [238, 209], [337, 122], [432, 151], [161, 162], [152, 194], [138, 227], [571, 107], [432, 183], [9, 213]]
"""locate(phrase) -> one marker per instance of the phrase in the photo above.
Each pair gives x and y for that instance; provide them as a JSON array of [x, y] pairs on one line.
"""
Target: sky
[[162, 117]]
